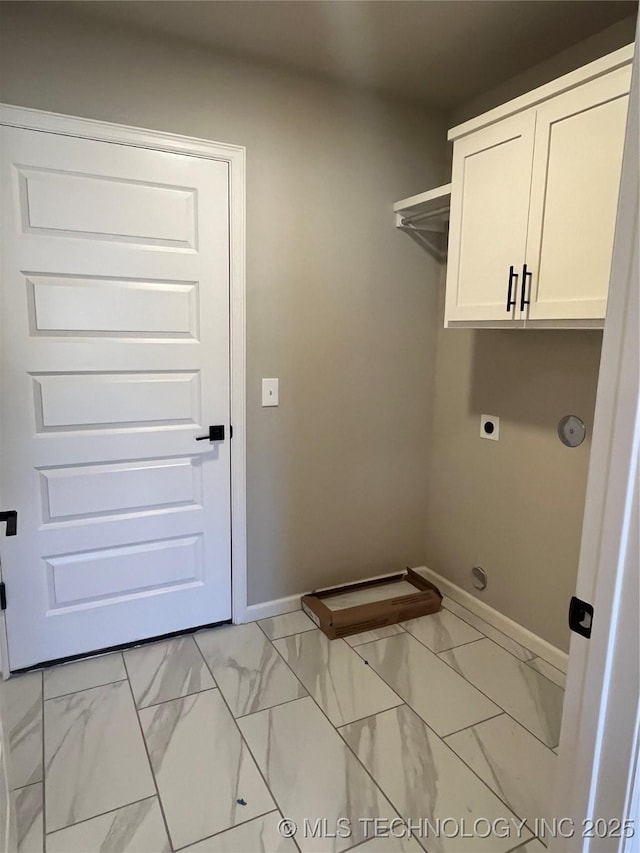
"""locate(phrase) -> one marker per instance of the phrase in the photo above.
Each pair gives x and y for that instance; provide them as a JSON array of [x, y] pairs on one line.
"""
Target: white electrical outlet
[[490, 427]]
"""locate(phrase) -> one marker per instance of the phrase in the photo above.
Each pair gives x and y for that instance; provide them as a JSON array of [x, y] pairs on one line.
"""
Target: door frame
[[235, 156], [599, 767]]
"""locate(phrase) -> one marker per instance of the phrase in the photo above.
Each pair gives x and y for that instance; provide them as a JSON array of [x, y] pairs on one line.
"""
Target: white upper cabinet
[[574, 195], [489, 214], [533, 203]]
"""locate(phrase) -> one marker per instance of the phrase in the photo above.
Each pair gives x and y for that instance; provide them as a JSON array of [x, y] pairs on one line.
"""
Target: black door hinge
[[580, 617], [11, 517], [230, 432], [3, 596]]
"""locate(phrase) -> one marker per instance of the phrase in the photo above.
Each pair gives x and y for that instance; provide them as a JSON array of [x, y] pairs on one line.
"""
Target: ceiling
[[437, 52]]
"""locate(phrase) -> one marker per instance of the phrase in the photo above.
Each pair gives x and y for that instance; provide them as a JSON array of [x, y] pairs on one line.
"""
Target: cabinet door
[[574, 195], [488, 227]]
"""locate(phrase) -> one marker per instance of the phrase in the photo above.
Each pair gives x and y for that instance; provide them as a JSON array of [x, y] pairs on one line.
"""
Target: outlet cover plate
[[490, 427], [270, 392]]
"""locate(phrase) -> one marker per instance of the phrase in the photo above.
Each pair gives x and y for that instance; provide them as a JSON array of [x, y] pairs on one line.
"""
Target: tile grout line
[[403, 630], [479, 722], [442, 738], [450, 649], [277, 705], [82, 689], [242, 738], [346, 745], [335, 727], [550, 748], [101, 814], [529, 661], [507, 714], [228, 829], [510, 808], [504, 711], [284, 636], [351, 648], [349, 749], [473, 725], [524, 844], [146, 749], [535, 669], [497, 630]]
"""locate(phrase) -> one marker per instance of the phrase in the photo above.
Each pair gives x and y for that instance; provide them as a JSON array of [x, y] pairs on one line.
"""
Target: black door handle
[[11, 517], [513, 277], [523, 292], [216, 433]]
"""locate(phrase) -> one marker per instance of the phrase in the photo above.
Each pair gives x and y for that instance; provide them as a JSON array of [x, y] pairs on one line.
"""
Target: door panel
[[133, 486], [115, 356], [105, 208], [112, 308], [489, 212], [575, 186]]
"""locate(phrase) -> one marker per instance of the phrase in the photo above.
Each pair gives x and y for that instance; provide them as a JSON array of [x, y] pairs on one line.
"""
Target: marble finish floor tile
[[137, 828], [557, 676], [202, 767], [260, 835], [21, 707], [512, 762], [95, 759], [488, 630], [418, 772], [312, 773], [442, 630], [529, 697], [247, 669], [166, 670], [83, 674], [341, 683], [440, 696], [27, 803], [287, 624], [374, 634]]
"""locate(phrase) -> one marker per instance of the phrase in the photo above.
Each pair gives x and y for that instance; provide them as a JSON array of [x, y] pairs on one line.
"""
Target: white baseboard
[[276, 607], [539, 647]]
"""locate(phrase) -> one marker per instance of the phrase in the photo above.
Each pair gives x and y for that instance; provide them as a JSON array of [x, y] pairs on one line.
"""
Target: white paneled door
[[115, 358]]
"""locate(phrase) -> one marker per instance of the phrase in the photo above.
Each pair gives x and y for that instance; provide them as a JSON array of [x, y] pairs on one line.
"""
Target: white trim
[[278, 606], [599, 747], [272, 608], [104, 131], [235, 156], [541, 648], [5, 672], [620, 57]]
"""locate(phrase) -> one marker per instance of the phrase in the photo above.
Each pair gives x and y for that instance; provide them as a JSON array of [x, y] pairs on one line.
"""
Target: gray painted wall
[[345, 311], [515, 507], [340, 306]]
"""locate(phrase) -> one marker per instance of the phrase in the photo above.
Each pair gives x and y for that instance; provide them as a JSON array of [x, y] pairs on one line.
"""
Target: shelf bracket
[[428, 239]]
